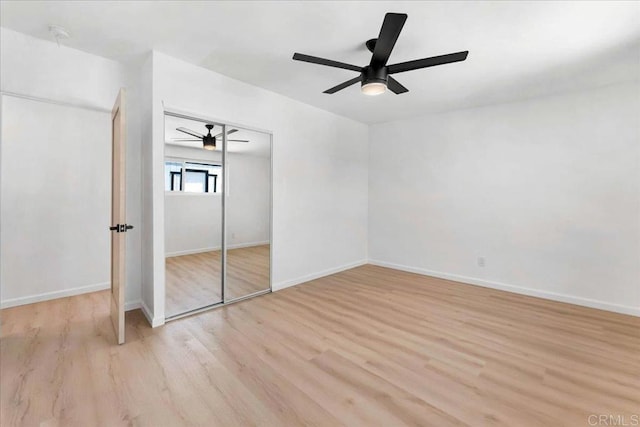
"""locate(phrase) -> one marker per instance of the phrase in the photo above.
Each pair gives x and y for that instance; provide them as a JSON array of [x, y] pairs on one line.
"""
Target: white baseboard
[[153, 321], [13, 302], [313, 276], [586, 302], [214, 248]]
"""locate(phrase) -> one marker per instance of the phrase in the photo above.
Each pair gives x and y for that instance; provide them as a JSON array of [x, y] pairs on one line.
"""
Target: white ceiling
[[259, 142], [517, 49]]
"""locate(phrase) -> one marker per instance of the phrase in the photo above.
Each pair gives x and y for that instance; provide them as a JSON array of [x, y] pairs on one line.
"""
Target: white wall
[[38, 68], [56, 190], [146, 169], [319, 171], [132, 83], [547, 190]]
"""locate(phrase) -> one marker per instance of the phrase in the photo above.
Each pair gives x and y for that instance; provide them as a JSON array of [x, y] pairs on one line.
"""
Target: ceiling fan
[[376, 77], [208, 141]]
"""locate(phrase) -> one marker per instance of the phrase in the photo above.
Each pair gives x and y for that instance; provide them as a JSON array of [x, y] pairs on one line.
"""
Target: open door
[[118, 222]]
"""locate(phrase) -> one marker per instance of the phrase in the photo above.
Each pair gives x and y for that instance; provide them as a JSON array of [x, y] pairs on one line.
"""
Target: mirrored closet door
[[248, 214], [194, 185], [217, 214]]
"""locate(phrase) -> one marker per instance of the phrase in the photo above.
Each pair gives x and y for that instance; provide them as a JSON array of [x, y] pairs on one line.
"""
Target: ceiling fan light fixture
[[373, 88], [376, 77], [209, 142]]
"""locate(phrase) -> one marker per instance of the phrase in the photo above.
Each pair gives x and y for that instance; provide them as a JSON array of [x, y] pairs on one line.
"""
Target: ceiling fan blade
[[237, 140], [190, 132], [327, 62], [185, 139], [389, 33], [229, 132], [343, 85], [427, 62], [395, 87]]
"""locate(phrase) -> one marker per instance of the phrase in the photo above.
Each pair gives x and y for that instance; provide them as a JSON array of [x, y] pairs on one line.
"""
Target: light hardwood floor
[[366, 347], [194, 281]]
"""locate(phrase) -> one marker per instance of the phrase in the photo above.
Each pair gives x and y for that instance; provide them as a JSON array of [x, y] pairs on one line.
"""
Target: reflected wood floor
[[193, 281], [366, 347]]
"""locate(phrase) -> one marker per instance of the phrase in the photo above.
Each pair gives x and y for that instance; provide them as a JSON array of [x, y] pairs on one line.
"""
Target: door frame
[[160, 285]]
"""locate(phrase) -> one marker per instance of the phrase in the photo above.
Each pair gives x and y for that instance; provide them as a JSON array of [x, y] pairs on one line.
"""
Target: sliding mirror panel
[[248, 213], [194, 184]]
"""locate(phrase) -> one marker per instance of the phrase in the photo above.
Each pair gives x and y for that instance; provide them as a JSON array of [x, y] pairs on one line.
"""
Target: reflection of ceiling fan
[[375, 78], [208, 141]]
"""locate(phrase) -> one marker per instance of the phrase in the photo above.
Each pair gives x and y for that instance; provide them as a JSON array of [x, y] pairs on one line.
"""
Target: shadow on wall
[[611, 65]]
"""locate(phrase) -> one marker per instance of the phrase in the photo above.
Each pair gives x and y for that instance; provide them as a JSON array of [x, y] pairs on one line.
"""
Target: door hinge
[[121, 228]]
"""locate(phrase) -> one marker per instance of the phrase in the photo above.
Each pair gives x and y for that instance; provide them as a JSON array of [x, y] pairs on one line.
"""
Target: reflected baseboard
[[215, 248]]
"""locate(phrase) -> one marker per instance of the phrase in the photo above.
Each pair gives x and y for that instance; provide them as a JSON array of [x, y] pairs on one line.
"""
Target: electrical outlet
[[481, 261]]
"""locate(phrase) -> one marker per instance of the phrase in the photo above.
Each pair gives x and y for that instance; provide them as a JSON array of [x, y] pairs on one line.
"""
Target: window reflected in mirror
[[190, 177]]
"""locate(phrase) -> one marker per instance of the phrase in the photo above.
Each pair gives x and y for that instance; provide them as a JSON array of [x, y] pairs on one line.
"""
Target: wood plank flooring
[[194, 281], [366, 347]]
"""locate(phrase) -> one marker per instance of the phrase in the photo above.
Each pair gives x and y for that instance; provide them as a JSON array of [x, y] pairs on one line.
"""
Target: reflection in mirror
[[248, 214], [193, 216]]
